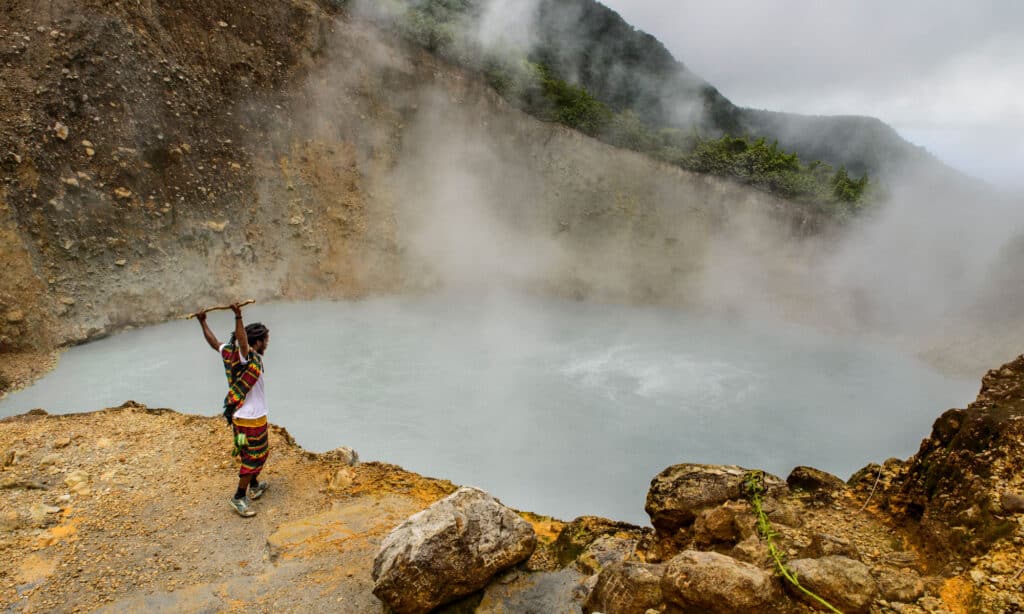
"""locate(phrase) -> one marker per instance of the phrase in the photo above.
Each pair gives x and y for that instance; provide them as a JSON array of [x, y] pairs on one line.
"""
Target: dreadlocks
[[253, 333]]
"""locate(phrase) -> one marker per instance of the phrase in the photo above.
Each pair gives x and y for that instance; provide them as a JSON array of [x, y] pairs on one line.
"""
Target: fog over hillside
[[945, 76], [925, 267]]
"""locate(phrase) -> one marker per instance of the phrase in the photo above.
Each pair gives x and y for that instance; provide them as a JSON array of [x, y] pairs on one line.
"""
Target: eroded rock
[[813, 480], [578, 535], [712, 582], [752, 550], [343, 454], [824, 544], [10, 521], [717, 526], [904, 585], [1012, 503], [604, 551], [680, 492], [626, 588], [39, 514], [78, 482], [845, 583], [341, 480], [449, 550]]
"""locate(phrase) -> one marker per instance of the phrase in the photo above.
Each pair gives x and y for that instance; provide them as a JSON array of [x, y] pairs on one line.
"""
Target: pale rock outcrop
[[341, 480], [626, 588], [711, 582], [451, 549], [344, 455], [845, 583]]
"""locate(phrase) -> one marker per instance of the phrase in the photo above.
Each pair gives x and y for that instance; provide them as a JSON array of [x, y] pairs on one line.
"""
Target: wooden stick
[[217, 308]]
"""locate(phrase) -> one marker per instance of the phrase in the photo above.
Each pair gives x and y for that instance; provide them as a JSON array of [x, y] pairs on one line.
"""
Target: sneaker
[[255, 492], [242, 507]]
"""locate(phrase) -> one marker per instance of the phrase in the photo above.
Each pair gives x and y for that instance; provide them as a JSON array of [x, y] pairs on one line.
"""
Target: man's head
[[258, 336]]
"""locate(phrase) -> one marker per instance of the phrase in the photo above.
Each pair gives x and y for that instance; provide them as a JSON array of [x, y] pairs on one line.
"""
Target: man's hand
[[211, 339], [237, 308]]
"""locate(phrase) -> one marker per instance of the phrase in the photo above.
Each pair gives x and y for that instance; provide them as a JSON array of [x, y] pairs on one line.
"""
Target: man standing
[[245, 406]]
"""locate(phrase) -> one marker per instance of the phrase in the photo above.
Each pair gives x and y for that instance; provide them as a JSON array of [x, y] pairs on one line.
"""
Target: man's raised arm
[[207, 333], [240, 337]]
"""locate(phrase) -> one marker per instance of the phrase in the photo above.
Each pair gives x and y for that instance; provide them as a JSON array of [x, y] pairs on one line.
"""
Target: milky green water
[[558, 407]]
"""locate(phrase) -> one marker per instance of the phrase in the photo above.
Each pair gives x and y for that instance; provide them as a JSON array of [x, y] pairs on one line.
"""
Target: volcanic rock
[[626, 588], [903, 585], [823, 544], [1012, 504], [712, 582], [343, 454], [39, 512], [10, 521], [716, 526], [604, 551], [341, 480], [78, 482], [576, 537], [751, 550], [813, 480], [845, 583], [680, 492], [449, 550]]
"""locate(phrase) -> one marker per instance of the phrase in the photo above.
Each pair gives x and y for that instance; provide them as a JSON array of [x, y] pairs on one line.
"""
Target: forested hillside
[[579, 63]]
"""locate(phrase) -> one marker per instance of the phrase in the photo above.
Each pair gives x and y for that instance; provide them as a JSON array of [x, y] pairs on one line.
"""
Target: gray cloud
[[945, 75]]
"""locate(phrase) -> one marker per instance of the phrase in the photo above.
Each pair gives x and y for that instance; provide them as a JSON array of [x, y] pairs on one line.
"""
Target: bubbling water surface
[[559, 407]]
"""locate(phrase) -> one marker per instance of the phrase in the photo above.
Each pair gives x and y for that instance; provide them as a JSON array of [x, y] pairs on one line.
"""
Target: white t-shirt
[[255, 404]]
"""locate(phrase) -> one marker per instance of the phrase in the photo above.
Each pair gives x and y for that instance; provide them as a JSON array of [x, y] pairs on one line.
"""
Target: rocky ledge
[[126, 510]]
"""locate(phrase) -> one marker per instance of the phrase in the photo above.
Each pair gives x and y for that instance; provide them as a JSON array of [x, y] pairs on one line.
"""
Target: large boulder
[[626, 588], [711, 582], [451, 549], [680, 492], [814, 480], [845, 583]]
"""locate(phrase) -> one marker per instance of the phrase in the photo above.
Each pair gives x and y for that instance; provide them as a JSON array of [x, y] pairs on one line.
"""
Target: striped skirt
[[255, 454]]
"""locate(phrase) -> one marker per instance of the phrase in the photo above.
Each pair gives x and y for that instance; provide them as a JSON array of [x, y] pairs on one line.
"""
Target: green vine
[[753, 486]]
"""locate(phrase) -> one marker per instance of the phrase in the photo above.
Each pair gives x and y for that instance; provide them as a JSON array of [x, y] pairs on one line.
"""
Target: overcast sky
[[946, 75]]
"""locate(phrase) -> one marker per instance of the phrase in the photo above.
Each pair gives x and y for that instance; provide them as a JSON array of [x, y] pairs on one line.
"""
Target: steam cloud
[[926, 270]]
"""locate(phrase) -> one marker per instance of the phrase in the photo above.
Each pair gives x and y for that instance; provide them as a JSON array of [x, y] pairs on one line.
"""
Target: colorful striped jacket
[[242, 376]]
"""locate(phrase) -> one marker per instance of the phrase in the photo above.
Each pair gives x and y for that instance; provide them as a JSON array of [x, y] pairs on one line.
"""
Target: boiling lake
[[558, 407]]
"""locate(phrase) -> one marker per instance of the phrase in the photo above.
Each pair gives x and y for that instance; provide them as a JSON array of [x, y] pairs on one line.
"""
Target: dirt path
[[128, 509]]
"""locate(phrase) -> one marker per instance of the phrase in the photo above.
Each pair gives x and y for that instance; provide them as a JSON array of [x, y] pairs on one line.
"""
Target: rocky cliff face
[[965, 483], [156, 158]]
